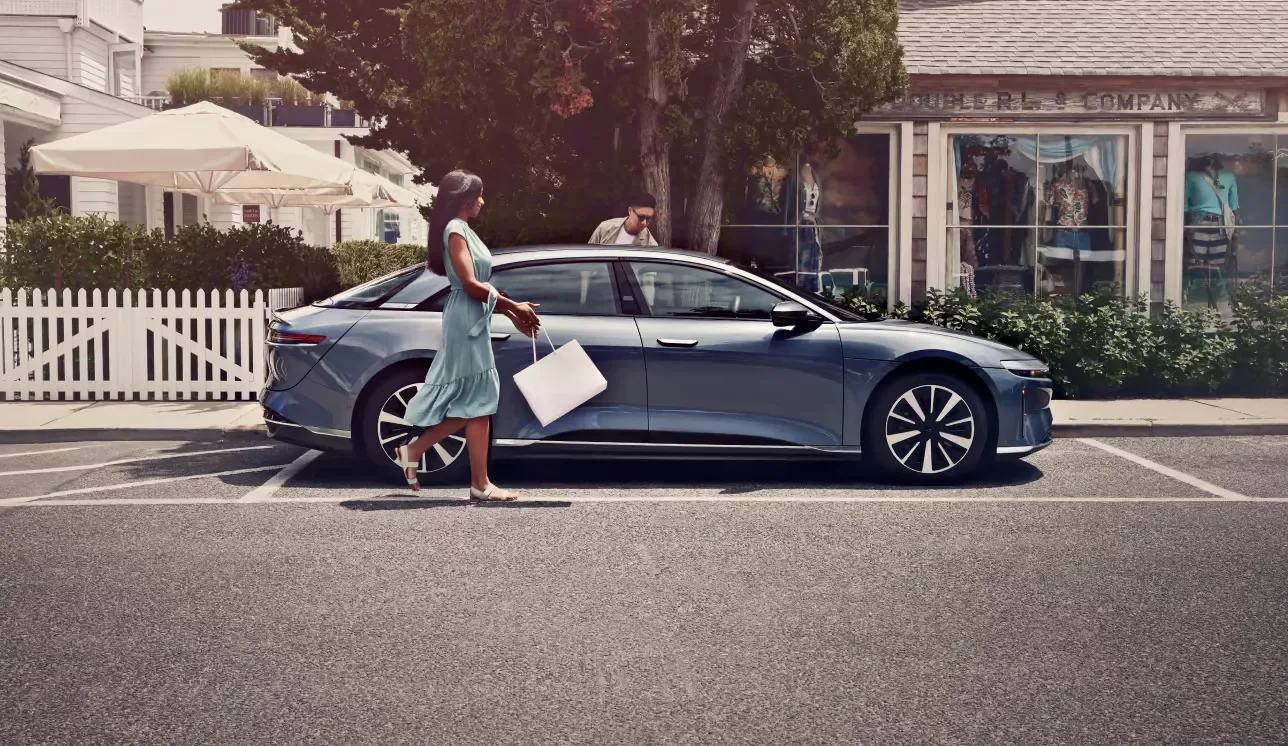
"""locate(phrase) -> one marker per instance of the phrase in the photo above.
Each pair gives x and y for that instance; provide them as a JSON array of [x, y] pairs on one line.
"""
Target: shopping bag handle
[[534, 344]]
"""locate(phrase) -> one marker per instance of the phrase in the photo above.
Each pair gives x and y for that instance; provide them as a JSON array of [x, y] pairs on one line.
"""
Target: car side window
[[571, 288], [673, 290]]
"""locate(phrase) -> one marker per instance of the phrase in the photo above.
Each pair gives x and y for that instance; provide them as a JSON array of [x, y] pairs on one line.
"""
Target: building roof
[[1180, 38]]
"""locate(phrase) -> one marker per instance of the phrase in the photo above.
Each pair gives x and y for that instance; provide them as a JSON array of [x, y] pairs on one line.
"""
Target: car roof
[[605, 251]]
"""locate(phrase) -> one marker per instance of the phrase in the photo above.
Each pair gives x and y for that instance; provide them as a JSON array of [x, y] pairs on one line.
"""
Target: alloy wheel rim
[[930, 429], [392, 430]]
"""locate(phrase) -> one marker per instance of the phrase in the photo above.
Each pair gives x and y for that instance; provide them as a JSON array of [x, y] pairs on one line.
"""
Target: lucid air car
[[704, 359]]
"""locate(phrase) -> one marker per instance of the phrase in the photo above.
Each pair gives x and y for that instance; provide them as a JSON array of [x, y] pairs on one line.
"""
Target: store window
[[1037, 214], [1236, 218], [822, 222]]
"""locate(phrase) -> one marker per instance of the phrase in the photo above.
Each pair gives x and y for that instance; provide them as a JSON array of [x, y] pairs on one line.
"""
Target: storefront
[[1169, 181]]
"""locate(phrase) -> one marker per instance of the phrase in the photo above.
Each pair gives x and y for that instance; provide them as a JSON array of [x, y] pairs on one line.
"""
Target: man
[[631, 230]]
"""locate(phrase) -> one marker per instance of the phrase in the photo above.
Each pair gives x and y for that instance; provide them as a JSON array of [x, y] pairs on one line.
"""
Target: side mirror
[[791, 313]]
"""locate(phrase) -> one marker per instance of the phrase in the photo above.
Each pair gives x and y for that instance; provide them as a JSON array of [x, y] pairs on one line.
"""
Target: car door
[[720, 372], [577, 300]]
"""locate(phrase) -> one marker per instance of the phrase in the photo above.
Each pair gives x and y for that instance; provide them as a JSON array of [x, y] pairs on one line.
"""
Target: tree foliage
[[563, 106], [25, 200]]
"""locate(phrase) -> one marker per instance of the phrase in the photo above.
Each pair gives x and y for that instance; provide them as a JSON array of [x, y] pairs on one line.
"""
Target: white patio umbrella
[[369, 190], [200, 149]]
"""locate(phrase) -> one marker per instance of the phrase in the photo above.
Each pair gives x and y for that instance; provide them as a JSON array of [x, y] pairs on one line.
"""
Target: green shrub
[[360, 261], [81, 252], [1259, 332], [1105, 345], [65, 251]]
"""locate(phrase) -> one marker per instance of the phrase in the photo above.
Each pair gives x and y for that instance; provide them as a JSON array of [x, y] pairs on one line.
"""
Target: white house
[[71, 66]]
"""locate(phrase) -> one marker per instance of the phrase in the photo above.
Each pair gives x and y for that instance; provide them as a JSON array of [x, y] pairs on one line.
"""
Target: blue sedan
[[704, 359]]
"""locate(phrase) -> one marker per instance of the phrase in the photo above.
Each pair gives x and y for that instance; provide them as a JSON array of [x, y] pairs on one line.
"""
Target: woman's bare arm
[[459, 252]]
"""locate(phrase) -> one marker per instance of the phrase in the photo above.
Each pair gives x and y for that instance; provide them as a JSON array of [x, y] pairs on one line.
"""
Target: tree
[[27, 202], [537, 95]]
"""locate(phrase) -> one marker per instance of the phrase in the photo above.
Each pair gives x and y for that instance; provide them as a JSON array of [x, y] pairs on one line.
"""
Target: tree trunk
[[655, 145], [734, 35]]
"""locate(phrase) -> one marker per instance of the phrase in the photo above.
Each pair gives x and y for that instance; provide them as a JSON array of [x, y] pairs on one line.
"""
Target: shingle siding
[[1175, 38]]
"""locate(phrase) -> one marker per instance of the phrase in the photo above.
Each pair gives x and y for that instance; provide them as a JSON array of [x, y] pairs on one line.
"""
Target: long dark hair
[[455, 190]]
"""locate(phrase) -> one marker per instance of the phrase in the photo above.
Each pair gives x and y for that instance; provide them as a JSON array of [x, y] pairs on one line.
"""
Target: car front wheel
[[384, 428], [926, 428]]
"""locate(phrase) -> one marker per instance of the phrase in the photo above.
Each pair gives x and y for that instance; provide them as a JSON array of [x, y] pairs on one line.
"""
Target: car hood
[[897, 340]]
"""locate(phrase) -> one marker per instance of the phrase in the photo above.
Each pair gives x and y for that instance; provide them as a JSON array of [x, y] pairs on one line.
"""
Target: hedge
[[1105, 345], [88, 252], [360, 261]]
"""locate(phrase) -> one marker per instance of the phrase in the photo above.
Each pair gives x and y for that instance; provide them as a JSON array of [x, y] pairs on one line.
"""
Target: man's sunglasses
[[643, 218]]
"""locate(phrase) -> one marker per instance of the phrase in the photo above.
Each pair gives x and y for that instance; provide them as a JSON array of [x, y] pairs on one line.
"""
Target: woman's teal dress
[[462, 380]]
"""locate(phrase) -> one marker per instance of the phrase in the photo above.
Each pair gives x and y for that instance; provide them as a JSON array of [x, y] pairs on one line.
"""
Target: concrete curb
[[1146, 429]]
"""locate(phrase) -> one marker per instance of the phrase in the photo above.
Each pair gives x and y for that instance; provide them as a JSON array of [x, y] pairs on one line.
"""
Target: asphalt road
[[1105, 592]]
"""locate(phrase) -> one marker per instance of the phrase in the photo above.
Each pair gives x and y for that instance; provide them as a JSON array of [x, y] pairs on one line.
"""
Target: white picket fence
[[147, 345]]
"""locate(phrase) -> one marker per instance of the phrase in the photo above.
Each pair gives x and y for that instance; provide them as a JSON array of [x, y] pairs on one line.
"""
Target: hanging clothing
[[1209, 239], [1069, 199]]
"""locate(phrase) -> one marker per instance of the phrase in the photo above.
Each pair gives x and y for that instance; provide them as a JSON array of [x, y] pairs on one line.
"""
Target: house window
[[132, 203], [189, 213], [388, 226], [823, 221], [1042, 214], [1235, 217]]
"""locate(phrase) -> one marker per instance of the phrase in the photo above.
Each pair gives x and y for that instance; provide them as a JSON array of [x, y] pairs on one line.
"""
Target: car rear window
[[375, 292]]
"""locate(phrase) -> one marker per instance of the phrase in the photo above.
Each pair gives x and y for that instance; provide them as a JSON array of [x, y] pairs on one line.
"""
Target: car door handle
[[678, 342], [500, 337]]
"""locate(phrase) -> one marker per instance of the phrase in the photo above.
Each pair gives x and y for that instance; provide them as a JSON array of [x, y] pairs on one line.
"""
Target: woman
[[462, 387]]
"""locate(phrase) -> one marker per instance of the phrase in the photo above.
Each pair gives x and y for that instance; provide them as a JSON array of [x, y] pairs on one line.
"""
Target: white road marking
[[16, 501], [1207, 487], [161, 457], [266, 490], [40, 453], [40, 502]]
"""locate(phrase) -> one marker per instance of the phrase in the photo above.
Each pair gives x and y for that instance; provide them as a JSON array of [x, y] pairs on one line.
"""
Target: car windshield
[[835, 308], [372, 294]]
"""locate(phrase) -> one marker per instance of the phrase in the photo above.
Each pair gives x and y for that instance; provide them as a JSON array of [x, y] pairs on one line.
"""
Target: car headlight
[[1027, 368]]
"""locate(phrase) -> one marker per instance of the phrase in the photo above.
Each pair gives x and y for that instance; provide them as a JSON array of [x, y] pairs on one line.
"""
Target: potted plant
[[187, 87], [243, 94], [296, 105], [344, 116]]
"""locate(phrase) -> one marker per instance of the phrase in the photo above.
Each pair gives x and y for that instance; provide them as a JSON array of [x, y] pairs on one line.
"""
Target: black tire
[[909, 435], [446, 465]]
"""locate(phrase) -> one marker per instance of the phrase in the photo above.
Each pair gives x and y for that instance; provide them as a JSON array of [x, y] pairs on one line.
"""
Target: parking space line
[[1192, 481], [42, 453], [547, 499], [266, 490], [15, 501], [160, 457]]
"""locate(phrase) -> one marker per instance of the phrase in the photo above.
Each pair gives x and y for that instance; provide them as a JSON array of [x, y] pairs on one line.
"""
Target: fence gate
[[146, 345]]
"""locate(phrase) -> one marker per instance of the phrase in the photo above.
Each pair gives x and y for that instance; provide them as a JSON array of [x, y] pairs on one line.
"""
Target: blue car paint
[[743, 378]]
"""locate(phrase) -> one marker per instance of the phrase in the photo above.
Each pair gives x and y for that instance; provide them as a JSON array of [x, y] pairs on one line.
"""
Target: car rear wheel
[[384, 428], [926, 428]]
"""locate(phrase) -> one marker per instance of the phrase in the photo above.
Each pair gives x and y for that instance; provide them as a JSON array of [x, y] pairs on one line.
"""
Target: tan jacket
[[608, 231]]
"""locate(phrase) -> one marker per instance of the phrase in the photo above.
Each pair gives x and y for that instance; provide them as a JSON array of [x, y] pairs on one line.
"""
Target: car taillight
[[279, 337]]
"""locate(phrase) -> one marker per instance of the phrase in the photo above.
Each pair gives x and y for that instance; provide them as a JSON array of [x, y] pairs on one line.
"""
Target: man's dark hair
[[642, 199]]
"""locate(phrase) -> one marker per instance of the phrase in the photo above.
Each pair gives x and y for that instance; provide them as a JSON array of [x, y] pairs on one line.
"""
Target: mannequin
[[1070, 200], [809, 250], [1211, 205], [967, 192]]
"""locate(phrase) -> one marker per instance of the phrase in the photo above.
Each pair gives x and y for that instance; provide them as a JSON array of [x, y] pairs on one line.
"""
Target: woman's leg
[[478, 440], [477, 435], [433, 436]]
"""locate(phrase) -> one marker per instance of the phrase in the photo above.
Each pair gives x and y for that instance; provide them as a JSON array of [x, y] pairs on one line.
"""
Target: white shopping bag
[[560, 382]]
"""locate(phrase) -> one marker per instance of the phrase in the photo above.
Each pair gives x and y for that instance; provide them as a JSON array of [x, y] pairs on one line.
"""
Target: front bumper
[[1024, 419]]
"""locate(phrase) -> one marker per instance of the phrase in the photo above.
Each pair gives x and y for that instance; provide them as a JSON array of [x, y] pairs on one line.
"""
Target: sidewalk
[[28, 422]]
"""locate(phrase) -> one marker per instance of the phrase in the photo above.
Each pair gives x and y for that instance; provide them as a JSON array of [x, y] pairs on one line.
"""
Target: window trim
[[647, 312], [1137, 259]]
